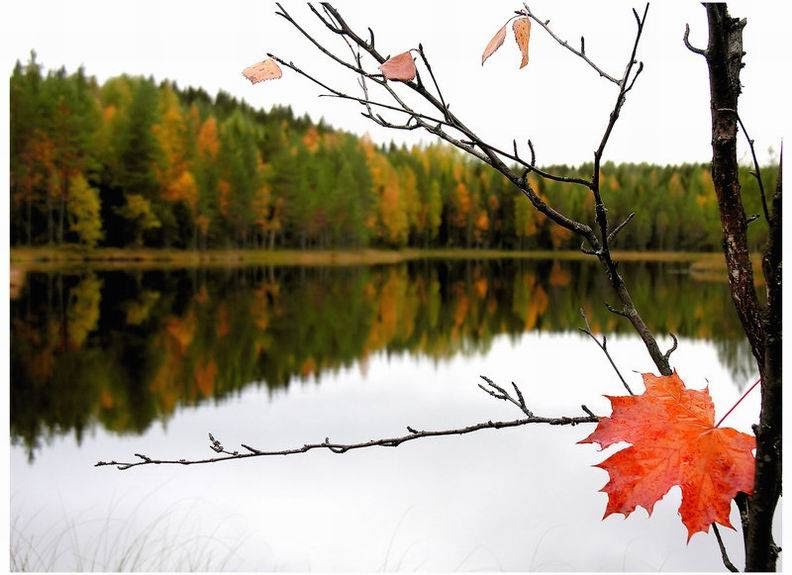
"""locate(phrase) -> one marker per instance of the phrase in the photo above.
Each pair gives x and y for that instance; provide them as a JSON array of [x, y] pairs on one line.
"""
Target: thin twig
[[604, 347], [619, 228], [724, 555], [672, 349], [689, 46], [339, 448], [615, 311], [498, 392], [756, 173], [434, 80], [599, 205], [743, 396], [337, 94], [579, 53]]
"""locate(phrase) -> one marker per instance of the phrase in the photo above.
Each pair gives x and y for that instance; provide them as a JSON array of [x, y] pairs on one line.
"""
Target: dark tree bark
[[761, 551], [762, 325]]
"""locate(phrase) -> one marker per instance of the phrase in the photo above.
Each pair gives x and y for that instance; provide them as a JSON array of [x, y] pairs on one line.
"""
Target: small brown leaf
[[522, 33], [494, 44], [400, 67], [265, 70]]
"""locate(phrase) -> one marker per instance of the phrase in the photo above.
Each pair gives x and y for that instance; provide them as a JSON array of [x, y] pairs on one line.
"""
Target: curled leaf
[[522, 33], [400, 67], [495, 43], [265, 70]]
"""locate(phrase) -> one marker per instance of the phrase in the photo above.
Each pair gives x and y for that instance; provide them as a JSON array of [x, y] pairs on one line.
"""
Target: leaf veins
[[673, 442]]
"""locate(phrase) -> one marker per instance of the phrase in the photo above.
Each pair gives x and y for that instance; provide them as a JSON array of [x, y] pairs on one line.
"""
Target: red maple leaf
[[673, 442]]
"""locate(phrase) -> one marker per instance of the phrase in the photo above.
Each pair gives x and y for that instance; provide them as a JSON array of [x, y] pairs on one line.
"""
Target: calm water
[[105, 364]]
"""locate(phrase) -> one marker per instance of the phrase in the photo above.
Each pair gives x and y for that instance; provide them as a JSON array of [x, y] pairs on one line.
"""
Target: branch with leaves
[[401, 71], [409, 72]]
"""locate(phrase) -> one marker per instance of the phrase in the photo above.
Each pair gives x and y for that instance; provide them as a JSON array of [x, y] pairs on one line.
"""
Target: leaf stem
[[749, 390]]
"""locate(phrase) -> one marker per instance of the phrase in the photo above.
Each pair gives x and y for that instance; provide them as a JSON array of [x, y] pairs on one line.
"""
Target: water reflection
[[125, 349]]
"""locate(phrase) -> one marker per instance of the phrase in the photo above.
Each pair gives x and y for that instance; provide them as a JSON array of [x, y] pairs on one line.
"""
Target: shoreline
[[66, 257]]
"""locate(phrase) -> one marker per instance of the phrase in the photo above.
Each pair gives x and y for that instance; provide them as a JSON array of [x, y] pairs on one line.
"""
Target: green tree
[[140, 215], [84, 211]]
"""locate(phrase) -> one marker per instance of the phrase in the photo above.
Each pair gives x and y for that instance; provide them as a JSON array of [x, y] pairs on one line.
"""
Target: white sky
[[557, 101]]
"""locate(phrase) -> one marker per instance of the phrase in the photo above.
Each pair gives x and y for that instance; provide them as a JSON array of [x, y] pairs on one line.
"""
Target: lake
[[109, 363]]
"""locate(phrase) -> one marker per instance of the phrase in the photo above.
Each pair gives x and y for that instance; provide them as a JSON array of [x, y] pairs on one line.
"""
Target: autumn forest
[[132, 163]]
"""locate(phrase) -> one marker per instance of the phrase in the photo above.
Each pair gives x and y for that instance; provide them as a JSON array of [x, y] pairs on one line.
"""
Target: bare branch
[[601, 213], [422, 54], [756, 173], [588, 251], [498, 392], [473, 144], [672, 349], [579, 53], [689, 46], [623, 88], [724, 555], [619, 228], [337, 94], [615, 311], [441, 106], [635, 76], [604, 347], [489, 153], [494, 390]]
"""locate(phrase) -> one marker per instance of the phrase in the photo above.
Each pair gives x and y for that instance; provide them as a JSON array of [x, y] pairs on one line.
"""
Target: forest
[[133, 163]]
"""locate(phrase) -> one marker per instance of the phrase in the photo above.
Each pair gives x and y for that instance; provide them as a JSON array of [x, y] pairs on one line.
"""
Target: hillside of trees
[[134, 163]]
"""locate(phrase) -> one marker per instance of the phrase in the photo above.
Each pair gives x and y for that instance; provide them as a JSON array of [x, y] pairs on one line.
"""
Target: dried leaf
[[673, 442], [400, 67], [522, 33], [265, 70], [495, 43]]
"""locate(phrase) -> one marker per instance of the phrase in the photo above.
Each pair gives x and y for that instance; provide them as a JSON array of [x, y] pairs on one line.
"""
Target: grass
[[70, 256], [169, 542]]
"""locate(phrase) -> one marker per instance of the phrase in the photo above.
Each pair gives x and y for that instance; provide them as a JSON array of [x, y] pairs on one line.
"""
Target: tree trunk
[[724, 59], [29, 219], [49, 218], [62, 214], [762, 327], [761, 551]]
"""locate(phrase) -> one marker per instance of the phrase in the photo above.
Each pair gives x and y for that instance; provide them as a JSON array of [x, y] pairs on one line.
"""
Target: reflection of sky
[[520, 499]]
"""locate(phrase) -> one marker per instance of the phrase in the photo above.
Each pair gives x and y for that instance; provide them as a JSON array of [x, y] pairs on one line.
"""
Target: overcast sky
[[557, 101]]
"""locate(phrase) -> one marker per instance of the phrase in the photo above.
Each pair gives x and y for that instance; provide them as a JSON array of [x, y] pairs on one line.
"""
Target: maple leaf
[[522, 33], [265, 70], [673, 442], [400, 67]]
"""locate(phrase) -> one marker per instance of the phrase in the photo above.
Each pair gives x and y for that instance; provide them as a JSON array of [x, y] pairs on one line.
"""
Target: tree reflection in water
[[125, 349]]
